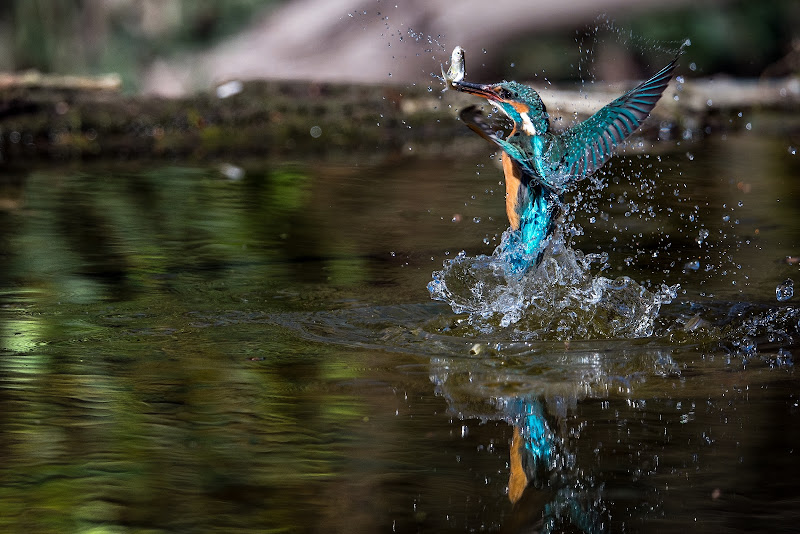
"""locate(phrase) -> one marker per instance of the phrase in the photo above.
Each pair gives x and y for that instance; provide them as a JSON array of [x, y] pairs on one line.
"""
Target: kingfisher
[[532, 447], [563, 502], [539, 164]]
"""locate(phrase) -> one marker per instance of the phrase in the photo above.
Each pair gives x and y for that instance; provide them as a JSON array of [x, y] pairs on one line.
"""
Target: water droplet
[[747, 345], [692, 265], [701, 236], [315, 131], [748, 126], [783, 358], [792, 150], [785, 291]]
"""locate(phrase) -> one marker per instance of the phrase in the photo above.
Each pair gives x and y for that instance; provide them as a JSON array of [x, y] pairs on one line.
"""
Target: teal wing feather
[[590, 144]]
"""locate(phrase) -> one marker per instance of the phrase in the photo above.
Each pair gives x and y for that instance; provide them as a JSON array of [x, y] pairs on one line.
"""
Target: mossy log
[[43, 118]]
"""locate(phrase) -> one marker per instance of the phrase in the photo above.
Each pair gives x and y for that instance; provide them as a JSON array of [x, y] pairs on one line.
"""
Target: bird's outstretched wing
[[493, 130], [490, 128], [590, 144]]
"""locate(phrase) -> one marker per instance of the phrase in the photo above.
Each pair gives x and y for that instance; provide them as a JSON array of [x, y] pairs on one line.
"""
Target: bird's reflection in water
[[554, 484], [548, 492]]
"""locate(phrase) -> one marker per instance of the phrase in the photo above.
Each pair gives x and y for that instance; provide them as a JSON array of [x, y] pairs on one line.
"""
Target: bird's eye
[[503, 93]]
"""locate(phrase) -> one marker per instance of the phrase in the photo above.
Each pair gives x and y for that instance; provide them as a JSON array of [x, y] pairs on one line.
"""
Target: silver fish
[[457, 69]]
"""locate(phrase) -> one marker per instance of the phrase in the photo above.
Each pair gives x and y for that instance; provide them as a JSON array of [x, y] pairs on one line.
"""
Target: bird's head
[[519, 102]]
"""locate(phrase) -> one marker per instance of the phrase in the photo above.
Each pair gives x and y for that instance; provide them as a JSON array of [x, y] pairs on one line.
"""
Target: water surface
[[182, 351]]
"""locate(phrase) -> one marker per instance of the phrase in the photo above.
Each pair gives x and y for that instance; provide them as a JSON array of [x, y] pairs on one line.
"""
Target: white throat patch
[[527, 124]]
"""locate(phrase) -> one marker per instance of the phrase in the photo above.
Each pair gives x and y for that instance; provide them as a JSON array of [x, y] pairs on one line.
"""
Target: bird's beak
[[477, 89]]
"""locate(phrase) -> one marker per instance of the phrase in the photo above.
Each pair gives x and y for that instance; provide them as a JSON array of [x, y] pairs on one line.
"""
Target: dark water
[[186, 352]]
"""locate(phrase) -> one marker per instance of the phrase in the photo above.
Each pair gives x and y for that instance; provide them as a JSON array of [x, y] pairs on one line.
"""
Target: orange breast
[[513, 183], [517, 479]]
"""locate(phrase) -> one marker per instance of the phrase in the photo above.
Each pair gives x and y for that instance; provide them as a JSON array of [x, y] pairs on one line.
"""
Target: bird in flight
[[540, 164]]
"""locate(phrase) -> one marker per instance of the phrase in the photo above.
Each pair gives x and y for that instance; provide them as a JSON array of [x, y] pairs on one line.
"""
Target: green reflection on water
[[125, 403], [151, 426]]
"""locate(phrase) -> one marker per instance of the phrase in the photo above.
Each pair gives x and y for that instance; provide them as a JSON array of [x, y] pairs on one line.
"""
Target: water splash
[[559, 299], [785, 290]]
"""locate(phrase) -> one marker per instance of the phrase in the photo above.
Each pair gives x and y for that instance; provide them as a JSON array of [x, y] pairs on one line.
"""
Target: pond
[[210, 348]]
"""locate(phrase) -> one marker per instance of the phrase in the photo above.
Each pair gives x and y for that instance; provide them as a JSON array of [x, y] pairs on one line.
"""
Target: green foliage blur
[[740, 38], [98, 37]]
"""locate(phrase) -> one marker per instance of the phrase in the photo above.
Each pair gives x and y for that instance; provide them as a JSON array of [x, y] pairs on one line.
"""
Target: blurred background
[[174, 47]]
